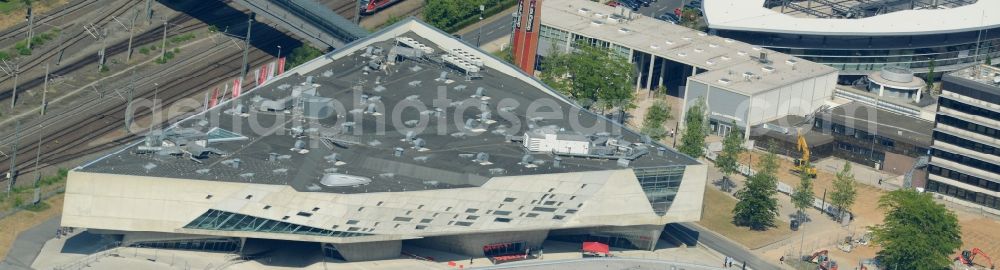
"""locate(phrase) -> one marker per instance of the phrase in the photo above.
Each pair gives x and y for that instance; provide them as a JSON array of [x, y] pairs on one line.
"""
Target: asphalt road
[[692, 233], [498, 28], [28, 244]]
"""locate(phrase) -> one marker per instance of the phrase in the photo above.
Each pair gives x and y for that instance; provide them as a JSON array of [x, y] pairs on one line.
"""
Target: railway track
[[70, 142], [64, 44], [180, 24], [47, 19]]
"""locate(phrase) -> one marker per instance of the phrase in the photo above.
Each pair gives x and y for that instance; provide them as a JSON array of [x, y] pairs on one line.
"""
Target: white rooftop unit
[[412, 43], [460, 63], [551, 140], [467, 56]]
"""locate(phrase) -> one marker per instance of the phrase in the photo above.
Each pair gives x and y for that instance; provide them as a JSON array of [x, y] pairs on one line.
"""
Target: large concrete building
[[965, 156], [858, 37], [740, 82], [405, 137]]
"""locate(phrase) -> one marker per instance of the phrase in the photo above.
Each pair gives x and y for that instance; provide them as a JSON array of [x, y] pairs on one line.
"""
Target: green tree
[[695, 130], [844, 191], [757, 208], [656, 116], [591, 75], [917, 232], [728, 159], [803, 196], [445, 14], [301, 55]]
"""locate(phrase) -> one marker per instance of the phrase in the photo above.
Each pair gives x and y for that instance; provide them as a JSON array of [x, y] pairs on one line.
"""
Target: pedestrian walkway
[[28, 244], [862, 174]]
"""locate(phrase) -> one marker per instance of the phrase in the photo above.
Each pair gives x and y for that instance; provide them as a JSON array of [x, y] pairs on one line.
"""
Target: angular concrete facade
[[452, 192]]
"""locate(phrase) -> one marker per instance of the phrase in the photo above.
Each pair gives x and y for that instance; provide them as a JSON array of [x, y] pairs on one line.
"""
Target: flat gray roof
[[368, 151], [724, 58], [896, 126]]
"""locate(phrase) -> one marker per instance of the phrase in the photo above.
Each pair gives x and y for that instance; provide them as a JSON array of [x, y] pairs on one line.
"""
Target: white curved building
[[859, 37]]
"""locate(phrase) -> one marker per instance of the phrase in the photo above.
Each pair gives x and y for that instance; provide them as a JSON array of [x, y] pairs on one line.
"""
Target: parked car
[[669, 17], [695, 5], [633, 4]]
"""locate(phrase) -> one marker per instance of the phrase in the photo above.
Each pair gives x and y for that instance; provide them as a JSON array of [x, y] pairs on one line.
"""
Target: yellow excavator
[[802, 165]]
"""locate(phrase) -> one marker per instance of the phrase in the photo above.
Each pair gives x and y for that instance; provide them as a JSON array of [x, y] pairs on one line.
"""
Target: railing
[[85, 262]]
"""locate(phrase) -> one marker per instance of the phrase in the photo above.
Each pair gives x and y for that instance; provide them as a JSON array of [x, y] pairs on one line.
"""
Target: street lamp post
[[279, 51], [480, 33]]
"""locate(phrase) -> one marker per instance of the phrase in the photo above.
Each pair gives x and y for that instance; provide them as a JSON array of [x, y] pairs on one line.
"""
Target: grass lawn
[[718, 217], [10, 5]]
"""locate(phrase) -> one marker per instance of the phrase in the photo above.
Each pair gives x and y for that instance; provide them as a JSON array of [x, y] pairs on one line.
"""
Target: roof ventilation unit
[[482, 158], [234, 163], [527, 159], [412, 43], [332, 158]]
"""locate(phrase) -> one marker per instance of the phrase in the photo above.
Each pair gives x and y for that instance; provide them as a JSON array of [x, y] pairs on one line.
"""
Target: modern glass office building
[[956, 37], [965, 156]]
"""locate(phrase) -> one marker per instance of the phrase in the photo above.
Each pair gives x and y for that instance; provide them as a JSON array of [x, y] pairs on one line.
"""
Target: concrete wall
[[722, 105], [472, 244], [799, 98], [370, 250], [687, 206]]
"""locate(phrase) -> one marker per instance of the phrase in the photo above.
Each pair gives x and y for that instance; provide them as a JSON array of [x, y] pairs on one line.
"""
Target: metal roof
[[379, 145]]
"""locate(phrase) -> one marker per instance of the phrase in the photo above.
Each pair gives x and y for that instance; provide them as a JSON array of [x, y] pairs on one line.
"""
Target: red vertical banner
[[515, 35], [529, 47], [262, 75], [237, 87], [271, 68], [281, 66], [215, 98]]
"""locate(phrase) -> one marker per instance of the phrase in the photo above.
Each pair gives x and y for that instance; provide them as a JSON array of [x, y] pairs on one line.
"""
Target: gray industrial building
[[739, 82], [405, 137], [965, 157]]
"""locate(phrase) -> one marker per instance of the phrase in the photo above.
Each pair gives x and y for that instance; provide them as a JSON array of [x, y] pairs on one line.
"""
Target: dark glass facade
[[660, 185], [217, 244], [863, 54], [227, 221], [966, 195]]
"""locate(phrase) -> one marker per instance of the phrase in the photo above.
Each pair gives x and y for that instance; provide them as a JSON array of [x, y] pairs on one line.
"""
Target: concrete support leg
[[649, 73]]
